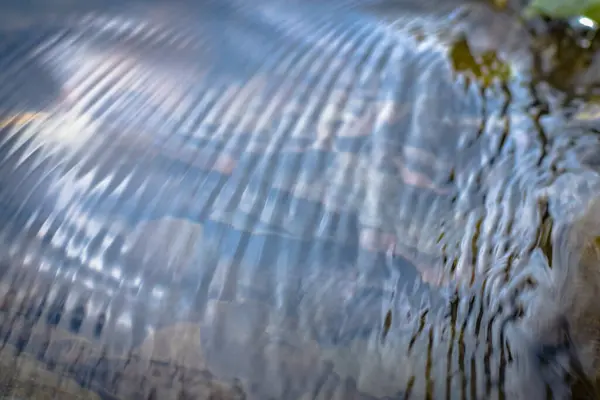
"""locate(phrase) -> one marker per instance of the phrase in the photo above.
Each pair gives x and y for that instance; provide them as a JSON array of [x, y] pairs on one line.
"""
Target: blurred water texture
[[278, 199]]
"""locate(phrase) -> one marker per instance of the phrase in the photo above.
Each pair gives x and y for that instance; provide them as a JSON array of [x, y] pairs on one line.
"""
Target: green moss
[[565, 8], [593, 12], [485, 68]]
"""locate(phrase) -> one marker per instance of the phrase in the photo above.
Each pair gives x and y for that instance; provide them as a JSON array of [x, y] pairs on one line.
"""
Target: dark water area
[[297, 200]]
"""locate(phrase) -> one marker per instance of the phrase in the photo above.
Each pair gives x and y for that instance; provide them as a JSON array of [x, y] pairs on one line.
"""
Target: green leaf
[[565, 8]]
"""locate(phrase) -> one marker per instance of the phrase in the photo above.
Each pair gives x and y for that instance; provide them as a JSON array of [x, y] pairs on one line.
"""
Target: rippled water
[[284, 199]]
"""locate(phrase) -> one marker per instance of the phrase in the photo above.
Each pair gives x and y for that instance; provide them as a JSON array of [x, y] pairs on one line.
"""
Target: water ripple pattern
[[289, 200]]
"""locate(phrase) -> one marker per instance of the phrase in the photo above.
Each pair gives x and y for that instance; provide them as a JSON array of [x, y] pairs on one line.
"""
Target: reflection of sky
[[171, 141], [131, 167], [284, 173], [283, 166], [587, 22]]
